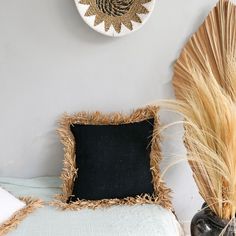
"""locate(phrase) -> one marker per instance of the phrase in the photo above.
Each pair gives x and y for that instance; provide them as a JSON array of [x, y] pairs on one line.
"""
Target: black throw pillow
[[113, 160]]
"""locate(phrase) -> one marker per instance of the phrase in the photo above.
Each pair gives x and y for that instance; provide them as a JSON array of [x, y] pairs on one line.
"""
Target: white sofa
[[145, 220]]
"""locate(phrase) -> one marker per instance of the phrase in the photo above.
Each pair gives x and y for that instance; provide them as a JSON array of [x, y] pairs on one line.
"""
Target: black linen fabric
[[113, 161]]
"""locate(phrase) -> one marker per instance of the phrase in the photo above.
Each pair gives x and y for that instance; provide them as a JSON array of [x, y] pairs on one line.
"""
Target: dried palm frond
[[205, 84], [212, 49]]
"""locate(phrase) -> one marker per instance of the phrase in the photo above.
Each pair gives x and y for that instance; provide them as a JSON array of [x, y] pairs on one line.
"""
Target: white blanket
[[145, 220]]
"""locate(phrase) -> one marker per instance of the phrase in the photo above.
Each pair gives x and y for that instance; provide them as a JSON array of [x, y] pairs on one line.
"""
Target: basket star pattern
[[116, 12]]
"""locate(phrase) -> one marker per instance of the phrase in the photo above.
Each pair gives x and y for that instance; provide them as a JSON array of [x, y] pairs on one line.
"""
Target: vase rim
[[213, 217]]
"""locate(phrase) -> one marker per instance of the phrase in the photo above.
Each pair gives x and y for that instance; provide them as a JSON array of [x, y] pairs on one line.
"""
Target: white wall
[[51, 62]]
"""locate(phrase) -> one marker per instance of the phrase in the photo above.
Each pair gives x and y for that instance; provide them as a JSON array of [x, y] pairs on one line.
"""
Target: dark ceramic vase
[[206, 223]]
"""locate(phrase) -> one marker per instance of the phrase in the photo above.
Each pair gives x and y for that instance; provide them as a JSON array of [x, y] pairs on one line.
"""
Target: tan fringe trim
[[104, 203], [161, 192], [15, 220]]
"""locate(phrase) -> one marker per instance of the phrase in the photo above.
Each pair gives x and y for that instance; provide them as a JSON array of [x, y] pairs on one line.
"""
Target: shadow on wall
[[47, 152], [71, 20], [50, 152]]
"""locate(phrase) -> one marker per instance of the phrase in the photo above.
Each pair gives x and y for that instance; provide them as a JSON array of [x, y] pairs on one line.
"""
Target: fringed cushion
[[111, 160], [24, 206], [8, 205]]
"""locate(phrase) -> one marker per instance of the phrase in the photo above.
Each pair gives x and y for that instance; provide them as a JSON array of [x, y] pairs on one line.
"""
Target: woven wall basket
[[115, 17]]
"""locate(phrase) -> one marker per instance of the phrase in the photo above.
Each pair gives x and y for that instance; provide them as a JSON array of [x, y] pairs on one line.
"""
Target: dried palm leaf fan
[[115, 17], [205, 84]]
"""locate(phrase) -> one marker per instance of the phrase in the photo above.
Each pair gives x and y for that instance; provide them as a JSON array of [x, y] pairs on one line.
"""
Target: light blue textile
[[146, 220]]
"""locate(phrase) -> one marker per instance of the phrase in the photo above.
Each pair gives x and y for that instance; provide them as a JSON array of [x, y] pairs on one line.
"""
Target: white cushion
[[8, 205]]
